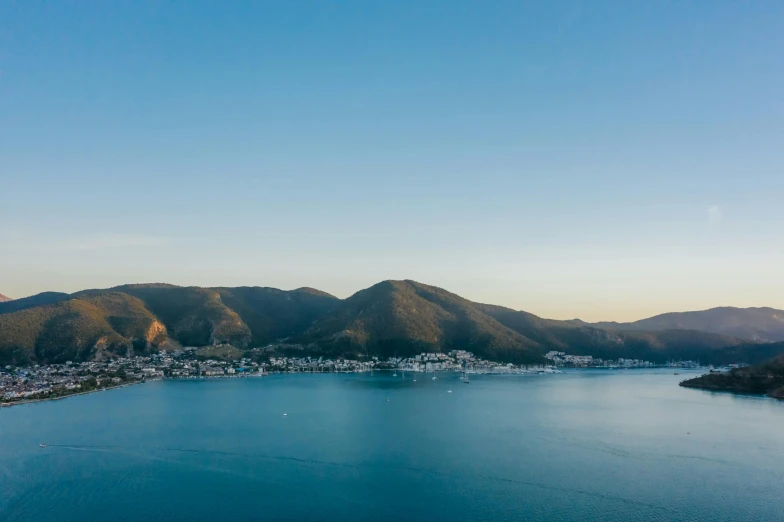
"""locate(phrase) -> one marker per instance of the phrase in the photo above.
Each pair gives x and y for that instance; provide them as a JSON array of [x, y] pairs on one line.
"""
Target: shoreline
[[46, 399], [246, 376]]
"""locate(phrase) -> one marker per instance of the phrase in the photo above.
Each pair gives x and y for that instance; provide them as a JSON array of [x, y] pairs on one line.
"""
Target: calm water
[[586, 445]]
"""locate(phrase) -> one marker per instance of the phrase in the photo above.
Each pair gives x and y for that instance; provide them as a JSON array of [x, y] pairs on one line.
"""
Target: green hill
[[194, 316], [78, 329], [24, 303], [754, 324], [766, 378], [399, 318], [580, 339], [391, 318], [273, 314]]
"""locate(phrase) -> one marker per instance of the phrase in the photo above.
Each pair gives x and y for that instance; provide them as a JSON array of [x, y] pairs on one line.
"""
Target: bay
[[588, 445]]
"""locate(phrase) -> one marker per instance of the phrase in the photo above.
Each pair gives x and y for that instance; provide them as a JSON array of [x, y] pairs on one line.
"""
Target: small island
[[762, 379]]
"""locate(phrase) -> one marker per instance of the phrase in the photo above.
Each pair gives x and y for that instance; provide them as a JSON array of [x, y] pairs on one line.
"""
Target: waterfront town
[[41, 382]]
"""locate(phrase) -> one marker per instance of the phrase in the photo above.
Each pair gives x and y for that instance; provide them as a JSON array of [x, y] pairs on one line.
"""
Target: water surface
[[591, 445]]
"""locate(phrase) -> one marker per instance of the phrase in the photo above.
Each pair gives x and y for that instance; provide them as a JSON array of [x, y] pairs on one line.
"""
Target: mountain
[[89, 327], [273, 314], [391, 318], [754, 324], [766, 378], [402, 318], [4, 299], [24, 303], [193, 316], [582, 339]]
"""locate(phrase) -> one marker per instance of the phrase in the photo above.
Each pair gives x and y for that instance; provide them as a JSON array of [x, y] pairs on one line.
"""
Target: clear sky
[[596, 159]]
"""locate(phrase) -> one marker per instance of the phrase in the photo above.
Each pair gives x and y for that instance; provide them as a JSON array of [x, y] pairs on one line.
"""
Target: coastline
[[45, 399]]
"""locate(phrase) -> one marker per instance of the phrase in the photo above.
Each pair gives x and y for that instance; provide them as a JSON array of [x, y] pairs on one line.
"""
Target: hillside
[[78, 329], [753, 324], [24, 303], [194, 316], [273, 314], [391, 318], [4, 299], [766, 378], [583, 339], [399, 318]]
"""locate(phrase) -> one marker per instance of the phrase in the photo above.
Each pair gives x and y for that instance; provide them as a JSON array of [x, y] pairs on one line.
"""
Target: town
[[42, 382]]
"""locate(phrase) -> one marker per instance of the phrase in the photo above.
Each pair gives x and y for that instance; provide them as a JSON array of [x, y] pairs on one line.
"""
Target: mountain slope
[[754, 324], [78, 329], [273, 314], [193, 316], [766, 378], [24, 303], [4, 299], [405, 317], [392, 318], [577, 339]]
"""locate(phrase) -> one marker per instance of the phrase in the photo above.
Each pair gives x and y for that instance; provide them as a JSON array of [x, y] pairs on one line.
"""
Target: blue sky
[[601, 160]]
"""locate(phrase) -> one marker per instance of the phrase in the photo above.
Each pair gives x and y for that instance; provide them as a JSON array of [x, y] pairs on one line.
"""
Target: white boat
[[434, 375], [42, 445], [450, 390]]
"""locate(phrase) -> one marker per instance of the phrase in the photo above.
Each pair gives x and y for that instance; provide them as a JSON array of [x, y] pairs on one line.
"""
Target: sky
[[607, 160]]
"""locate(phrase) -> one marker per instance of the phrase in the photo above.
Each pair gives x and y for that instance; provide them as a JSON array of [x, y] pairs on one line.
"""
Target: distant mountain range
[[4, 299], [754, 324], [391, 318]]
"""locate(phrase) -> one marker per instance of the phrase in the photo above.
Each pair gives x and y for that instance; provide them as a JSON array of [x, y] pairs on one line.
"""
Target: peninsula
[[762, 379]]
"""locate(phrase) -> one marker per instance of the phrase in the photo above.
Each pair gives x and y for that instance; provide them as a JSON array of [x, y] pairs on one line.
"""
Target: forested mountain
[[754, 324], [391, 318], [765, 378]]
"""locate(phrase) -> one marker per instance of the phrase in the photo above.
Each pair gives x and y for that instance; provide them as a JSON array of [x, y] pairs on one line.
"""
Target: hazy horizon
[[602, 161]]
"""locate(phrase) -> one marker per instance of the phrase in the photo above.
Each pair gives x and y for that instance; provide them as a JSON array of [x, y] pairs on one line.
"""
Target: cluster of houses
[[588, 361], [54, 380]]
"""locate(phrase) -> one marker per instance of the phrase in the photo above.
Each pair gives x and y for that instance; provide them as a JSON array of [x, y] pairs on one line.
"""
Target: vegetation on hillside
[[391, 318], [273, 314], [76, 329], [753, 324], [194, 316], [766, 378], [24, 303]]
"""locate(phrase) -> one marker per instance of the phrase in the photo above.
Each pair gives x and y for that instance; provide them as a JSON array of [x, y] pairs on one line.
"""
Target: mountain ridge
[[762, 324], [391, 318]]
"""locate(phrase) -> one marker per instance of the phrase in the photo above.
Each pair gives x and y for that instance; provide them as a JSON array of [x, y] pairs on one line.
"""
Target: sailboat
[[434, 375], [465, 378], [394, 374]]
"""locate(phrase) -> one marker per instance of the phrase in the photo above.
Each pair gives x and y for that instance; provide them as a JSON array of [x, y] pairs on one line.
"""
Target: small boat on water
[[464, 378], [42, 445], [450, 390]]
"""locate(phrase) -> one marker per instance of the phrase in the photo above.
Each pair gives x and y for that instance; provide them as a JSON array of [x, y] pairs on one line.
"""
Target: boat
[[394, 374], [677, 373], [387, 399], [285, 414], [464, 378], [42, 445], [434, 375], [450, 390]]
